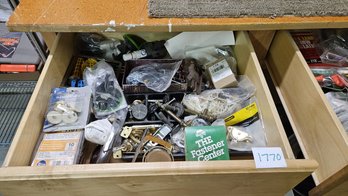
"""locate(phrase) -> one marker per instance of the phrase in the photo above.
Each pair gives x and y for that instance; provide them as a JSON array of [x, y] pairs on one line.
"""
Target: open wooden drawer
[[170, 178], [317, 128]]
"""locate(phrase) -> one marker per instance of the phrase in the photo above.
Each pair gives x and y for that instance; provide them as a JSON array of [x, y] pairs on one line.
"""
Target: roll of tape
[[69, 117], [54, 117]]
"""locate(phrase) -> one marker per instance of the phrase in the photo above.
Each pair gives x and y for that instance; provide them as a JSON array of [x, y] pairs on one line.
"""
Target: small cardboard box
[[221, 74]]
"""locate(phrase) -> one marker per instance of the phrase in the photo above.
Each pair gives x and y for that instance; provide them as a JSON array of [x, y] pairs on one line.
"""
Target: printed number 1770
[[269, 157]]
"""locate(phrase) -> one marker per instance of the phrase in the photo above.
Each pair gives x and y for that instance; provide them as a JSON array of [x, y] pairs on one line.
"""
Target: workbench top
[[131, 16]]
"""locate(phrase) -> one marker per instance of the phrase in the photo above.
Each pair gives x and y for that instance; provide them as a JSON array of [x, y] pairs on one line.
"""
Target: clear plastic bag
[[108, 96], [97, 45], [339, 103], [68, 109], [246, 134], [244, 138], [218, 65], [102, 153], [335, 51], [220, 103], [210, 54], [155, 76]]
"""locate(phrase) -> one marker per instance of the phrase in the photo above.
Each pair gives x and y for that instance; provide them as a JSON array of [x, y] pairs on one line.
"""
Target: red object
[[320, 78], [338, 80], [17, 68], [306, 42]]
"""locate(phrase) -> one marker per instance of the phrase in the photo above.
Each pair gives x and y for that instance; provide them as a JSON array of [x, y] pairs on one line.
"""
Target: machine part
[[163, 118], [117, 154], [159, 141], [54, 117], [139, 54], [127, 146], [140, 145], [105, 151], [237, 135], [170, 113], [201, 115], [139, 111], [161, 133], [69, 117], [155, 100], [176, 107], [194, 79], [158, 154], [126, 131], [152, 126], [80, 83], [198, 122], [134, 139]]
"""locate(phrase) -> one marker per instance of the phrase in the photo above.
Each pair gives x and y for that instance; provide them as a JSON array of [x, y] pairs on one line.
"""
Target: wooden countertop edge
[[175, 27], [149, 169]]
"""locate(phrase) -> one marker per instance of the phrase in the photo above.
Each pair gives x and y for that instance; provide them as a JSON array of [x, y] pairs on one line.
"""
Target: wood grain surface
[[30, 127], [131, 16], [317, 128], [337, 184], [152, 179]]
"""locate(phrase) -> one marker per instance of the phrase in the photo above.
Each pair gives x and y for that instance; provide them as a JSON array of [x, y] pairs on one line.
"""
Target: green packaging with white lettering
[[205, 143]]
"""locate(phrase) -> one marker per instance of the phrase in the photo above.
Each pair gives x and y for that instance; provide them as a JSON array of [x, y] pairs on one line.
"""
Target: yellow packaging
[[242, 115]]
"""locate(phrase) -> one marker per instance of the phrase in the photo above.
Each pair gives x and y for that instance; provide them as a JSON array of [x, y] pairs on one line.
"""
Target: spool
[[54, 117], [158, 154]]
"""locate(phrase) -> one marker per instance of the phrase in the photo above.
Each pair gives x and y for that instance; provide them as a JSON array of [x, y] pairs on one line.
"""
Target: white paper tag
[[220, 70], [269, 157]]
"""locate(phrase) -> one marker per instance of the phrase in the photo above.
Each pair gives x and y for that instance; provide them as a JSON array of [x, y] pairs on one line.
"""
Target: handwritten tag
[[269, 157]]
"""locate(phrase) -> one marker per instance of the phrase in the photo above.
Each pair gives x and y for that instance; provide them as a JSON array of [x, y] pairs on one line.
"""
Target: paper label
[[220, 70], [269, 157]]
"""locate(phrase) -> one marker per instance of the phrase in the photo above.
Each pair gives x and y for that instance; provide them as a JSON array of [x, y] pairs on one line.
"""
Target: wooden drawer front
[[176, 178], [317, 128]]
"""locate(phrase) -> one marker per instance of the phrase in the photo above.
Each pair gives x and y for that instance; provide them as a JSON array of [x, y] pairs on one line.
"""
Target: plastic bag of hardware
[[155, 76], [335, 51], [339, 103], [108, 96], [103, 153], [97, 45], [178, 137], [217, 64], [220, 103], [68, 109], [245, 127], [331, 78], [206, 55], [243, 138]]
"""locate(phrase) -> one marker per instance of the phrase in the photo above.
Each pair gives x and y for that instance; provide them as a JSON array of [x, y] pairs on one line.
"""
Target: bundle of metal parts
[[162, 102], [151, 140]]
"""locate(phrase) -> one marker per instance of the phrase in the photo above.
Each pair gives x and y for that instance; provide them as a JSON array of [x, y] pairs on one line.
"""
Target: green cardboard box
[[205, 143]]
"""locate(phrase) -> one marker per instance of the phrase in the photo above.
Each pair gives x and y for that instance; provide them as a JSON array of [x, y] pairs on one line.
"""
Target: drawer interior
[[58, 61], [170, 178], [320, 133]]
